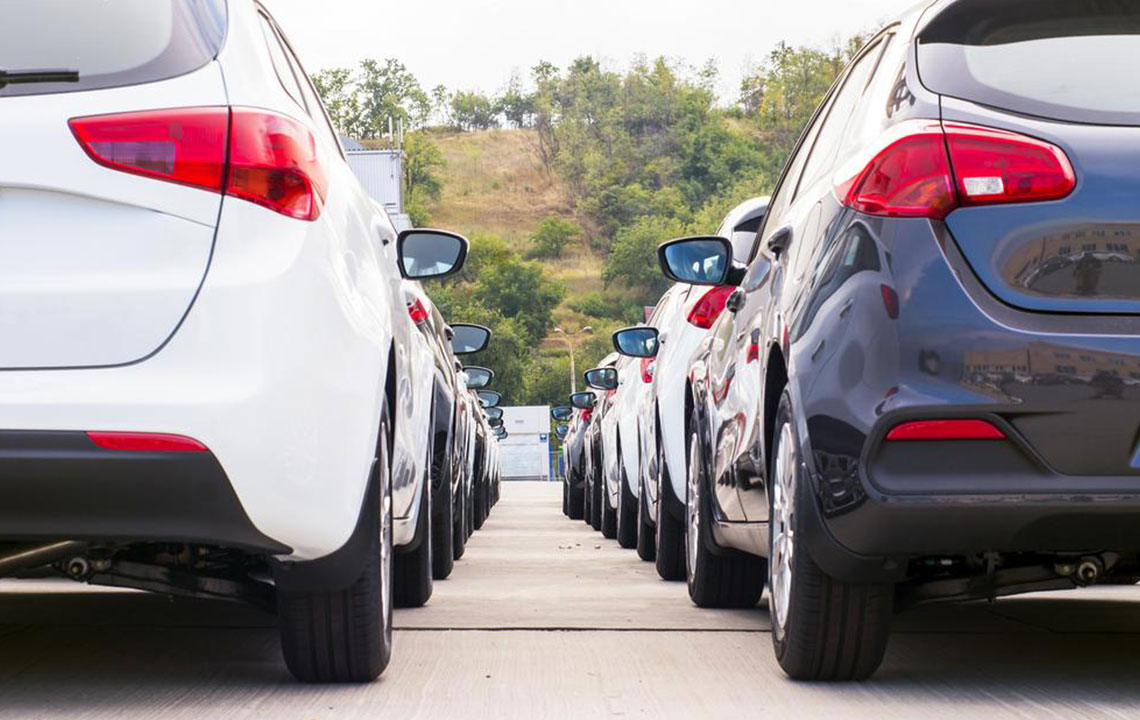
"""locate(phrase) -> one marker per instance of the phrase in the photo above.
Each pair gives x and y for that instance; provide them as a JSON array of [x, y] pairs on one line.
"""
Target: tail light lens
[[187, 147], [709, 307], [272, 160], [647, 365], [417, 311], [926, 169], [890, 301], [274, 163], [145, 442], [946, 430]]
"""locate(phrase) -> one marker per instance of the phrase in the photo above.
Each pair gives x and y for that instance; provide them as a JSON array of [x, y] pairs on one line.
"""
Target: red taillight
[[274, 163], [995, 166], [925, 169], [180, 146], [890, 301], [272, 160], [145, 442], [946, 430], [709, 307], [586, 415], [647, 369], [417, 311]]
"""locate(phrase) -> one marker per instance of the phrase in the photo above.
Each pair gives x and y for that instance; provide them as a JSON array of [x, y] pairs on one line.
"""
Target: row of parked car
[[222, 376], [909, 375]]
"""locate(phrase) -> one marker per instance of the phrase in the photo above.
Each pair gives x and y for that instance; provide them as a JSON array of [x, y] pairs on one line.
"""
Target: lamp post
[[569, 338]]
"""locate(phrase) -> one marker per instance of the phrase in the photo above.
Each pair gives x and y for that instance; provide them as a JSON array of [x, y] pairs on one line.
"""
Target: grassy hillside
[[494, 183]]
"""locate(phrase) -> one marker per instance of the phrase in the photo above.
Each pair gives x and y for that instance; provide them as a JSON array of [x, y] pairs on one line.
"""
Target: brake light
[[996, 166], [187, 146], [274, 163], [272, 160], [946, 430], [417, 311], [709, 307], [145, 442], [890, 301], [647, 370], [926, 169]]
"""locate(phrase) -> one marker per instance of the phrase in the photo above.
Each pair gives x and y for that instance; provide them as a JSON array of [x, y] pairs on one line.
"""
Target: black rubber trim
[[342, 567], [59, 485]]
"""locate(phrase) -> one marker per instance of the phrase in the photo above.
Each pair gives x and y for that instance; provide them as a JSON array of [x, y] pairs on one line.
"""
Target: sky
[[475, 45]]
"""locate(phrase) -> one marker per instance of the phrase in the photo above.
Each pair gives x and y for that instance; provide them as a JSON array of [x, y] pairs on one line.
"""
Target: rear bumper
[[61, 486]]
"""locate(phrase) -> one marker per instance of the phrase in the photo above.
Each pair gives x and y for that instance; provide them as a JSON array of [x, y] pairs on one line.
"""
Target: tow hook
[[1087, 570]]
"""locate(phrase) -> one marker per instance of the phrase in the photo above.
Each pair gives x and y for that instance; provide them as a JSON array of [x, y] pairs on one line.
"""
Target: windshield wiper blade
[[28, 77]]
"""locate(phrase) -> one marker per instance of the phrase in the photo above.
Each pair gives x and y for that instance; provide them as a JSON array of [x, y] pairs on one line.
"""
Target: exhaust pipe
[[42, 555]]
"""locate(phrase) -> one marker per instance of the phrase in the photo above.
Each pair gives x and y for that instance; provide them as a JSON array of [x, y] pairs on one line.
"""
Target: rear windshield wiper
[[28, 77]]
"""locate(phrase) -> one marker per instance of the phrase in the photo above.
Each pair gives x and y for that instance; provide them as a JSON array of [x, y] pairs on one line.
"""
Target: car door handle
[[847, 306], [818, 350]]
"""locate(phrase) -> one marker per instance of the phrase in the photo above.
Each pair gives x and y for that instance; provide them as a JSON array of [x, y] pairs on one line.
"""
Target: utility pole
[[569, 338]]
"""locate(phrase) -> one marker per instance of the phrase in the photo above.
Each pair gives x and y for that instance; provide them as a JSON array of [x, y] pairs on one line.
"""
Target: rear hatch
[[1063, 72], [99, 267]]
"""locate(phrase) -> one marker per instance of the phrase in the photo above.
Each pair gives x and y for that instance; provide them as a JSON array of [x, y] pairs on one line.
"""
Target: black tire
[[345, 635], [442, 521], [646, 542], [577, 500], [669, 532], [626, 514], [459, 535], [480, 515], [587, 503], [469, 513], [566, 498], [596, 502], [717, 577], [831, 630], [609, 514], [412, 570]]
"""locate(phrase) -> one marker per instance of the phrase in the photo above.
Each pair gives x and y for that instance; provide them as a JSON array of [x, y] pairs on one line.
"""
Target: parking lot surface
[[545, 619]]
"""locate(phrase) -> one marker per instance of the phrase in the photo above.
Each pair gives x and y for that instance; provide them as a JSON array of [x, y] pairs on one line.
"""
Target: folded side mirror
[[562, 413], [561, 431], [638, 342], [697, 260], [428, 254], [604, 378], [489, 398], [493, 413], [469, 339], [495, 422], [478, 377], [584, 400]]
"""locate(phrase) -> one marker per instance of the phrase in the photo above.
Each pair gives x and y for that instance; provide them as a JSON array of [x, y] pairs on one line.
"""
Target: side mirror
[[427, 254], [501, 434], [638, 342], [478, 377], [562, 413], [469, 339], [489, 398], [561, 431], [696, 260], [495, 422], [602, 378], [584, 400], [493, 413]]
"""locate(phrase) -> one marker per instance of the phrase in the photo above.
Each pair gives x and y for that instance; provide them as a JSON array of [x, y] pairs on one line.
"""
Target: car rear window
[[1071, 60], [110, 43]]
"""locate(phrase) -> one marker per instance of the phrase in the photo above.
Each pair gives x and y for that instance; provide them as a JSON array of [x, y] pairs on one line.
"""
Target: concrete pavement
[[545, 619]]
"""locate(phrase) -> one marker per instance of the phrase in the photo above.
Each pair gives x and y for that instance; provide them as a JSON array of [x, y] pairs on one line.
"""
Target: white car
[[209, 373], [683, 323]]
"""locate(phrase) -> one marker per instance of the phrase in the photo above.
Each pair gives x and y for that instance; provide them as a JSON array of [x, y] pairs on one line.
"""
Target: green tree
[[634, 253], [472, 110], [389, 90], [520, 290], [552, 237], [337, 88], [423, 186]]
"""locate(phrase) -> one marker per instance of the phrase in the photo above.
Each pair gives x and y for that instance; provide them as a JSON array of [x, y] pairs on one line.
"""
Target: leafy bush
[[553, 235]]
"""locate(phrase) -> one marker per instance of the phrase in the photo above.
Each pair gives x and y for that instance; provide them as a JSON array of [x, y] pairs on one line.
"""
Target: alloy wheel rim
[[783, 532], [691, 507]]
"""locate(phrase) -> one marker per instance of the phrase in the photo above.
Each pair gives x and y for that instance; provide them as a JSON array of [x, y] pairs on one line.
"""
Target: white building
[[526, 451], [381, 172]]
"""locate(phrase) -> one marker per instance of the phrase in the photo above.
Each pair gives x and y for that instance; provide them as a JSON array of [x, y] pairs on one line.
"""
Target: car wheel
[[626, 514], [480, 515], [442, 521], [670, 531], [577, 501], [459, 534], [345, 635], [587, 502], [412, 569], [566, 498], [822, 628], [646, 542], [597, 500], [717, 577], [609, 514]]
